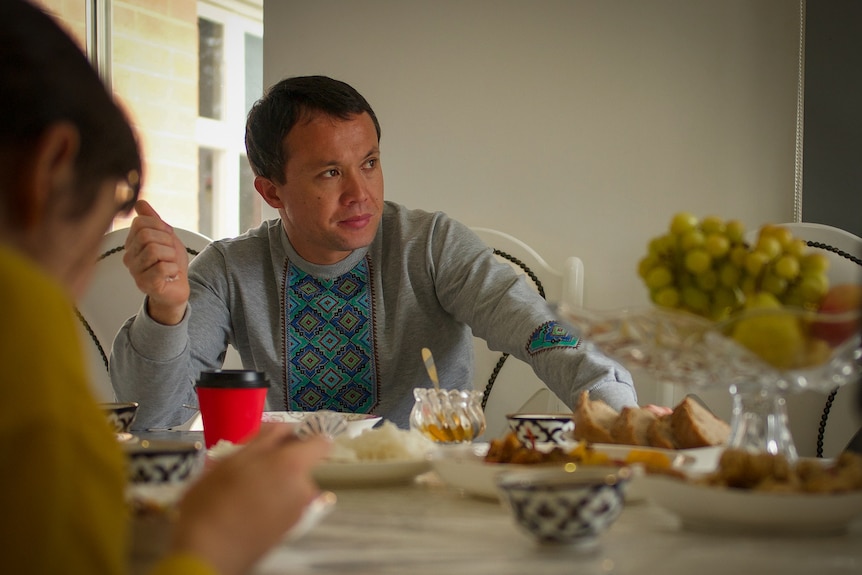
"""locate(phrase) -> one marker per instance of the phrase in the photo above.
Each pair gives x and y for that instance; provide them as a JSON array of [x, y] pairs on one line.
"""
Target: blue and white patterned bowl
[[539, 428], [120, 415], [154, 461], [565, 506]]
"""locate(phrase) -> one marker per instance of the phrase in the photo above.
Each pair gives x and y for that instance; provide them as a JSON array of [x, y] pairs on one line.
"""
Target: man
[[69, 163], [335, 299]]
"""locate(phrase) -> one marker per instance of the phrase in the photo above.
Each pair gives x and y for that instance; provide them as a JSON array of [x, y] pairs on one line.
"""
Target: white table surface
[[428, 528]]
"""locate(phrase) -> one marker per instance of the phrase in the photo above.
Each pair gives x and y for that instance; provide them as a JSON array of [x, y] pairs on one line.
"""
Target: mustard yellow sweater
[[61, 471]]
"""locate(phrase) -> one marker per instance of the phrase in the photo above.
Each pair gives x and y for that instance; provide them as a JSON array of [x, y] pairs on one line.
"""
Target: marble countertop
[[428, 528]]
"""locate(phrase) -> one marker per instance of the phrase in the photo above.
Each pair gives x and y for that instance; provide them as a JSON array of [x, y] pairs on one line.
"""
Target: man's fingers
[[148, 227], [148, 233], [143, 208], [143, 253], [658, 410]]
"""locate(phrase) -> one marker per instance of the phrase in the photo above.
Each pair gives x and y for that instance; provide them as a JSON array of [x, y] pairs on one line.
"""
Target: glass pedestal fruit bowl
[[760, 355]]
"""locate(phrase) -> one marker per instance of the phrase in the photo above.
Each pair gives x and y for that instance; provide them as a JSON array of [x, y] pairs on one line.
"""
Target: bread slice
[[659, 433], [693, 425], [632, 425], [593, 420]]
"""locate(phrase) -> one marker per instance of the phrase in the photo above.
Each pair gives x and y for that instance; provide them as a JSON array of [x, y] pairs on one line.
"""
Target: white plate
[[464, 468], [368, 473], [356, 422], [704, 507], [620, 452], [694, 460]]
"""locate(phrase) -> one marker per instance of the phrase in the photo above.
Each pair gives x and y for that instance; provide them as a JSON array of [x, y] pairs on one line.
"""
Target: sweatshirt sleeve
[[156, 365], [503, 309]]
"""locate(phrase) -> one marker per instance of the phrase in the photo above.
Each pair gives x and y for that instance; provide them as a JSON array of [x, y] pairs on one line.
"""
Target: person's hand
[[158, 262], [245, 503], [659, 410]]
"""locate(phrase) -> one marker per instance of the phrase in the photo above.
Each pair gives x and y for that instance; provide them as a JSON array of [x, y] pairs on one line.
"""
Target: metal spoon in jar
[[430, 367], [442, 417]]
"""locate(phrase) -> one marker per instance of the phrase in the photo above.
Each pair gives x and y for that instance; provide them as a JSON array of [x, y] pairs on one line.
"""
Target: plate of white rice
[[382, 456]]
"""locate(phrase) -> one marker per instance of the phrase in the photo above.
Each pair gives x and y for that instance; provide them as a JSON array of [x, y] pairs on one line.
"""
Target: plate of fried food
[[764, 493], [472, 468]]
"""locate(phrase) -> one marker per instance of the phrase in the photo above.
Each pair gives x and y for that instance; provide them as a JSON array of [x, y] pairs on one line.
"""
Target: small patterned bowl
[[154, 461], [537, 428], [565, 506], [120, 415]]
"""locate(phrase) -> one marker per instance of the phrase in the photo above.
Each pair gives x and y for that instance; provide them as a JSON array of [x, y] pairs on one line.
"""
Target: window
[[187, 71], [210, 57], [230, 68], [206, 177]]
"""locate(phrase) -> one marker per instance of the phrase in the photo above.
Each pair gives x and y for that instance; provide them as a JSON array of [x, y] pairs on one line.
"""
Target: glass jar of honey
[[448, 416]]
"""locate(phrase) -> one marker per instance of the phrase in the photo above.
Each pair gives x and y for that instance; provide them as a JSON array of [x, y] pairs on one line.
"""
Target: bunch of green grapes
[[706, 267]]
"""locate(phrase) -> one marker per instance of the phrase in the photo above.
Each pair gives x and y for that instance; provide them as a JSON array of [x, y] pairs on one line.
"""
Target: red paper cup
[[231, 403]]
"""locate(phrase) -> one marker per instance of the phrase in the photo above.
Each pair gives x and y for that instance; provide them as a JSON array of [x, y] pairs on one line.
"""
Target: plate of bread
[[761, 493], [690, 428], [690, 425]]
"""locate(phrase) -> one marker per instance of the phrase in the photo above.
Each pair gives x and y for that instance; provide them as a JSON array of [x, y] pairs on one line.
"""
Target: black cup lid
[[232, 378]]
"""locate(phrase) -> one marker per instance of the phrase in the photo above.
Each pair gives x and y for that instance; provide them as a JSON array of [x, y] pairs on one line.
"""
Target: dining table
[[426, 527]]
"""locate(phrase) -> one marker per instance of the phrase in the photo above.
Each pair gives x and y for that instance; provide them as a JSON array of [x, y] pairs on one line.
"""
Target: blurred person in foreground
[[69, 163], [335, 298]]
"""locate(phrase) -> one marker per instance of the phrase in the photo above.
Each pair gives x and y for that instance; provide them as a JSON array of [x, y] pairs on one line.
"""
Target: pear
[[771, 332]]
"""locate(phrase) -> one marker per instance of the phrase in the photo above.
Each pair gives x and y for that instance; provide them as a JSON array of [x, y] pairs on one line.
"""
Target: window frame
[[226, 137]]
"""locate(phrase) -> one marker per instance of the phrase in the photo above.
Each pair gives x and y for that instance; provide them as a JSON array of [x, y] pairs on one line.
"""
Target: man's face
[[332, 199]]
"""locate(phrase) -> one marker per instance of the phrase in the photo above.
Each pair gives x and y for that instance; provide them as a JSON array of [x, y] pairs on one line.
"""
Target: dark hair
[[46, 79], [283, 105]]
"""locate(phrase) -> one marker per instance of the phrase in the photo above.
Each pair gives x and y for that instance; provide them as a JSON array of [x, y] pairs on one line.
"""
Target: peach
[[840, 299]]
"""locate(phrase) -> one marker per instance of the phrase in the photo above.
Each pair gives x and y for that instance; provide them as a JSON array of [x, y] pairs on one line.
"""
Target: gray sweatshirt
[[348, 336]]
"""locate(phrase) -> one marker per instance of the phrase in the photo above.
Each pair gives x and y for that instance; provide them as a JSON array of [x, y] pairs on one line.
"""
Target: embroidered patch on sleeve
[[550, 335]]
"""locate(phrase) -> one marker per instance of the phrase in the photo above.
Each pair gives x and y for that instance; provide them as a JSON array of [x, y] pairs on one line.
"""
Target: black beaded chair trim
[[836, 251], [87, 325], [503, 357], [821, 429]]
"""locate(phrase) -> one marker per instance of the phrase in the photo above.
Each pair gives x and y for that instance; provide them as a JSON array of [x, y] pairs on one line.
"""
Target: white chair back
[[823, 426], [843, 249], [111, 299], [565, 284], [812, 434], [515, 387]]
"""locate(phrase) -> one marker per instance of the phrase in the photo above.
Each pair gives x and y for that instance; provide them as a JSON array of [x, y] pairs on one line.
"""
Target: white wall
[[580, 126]]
